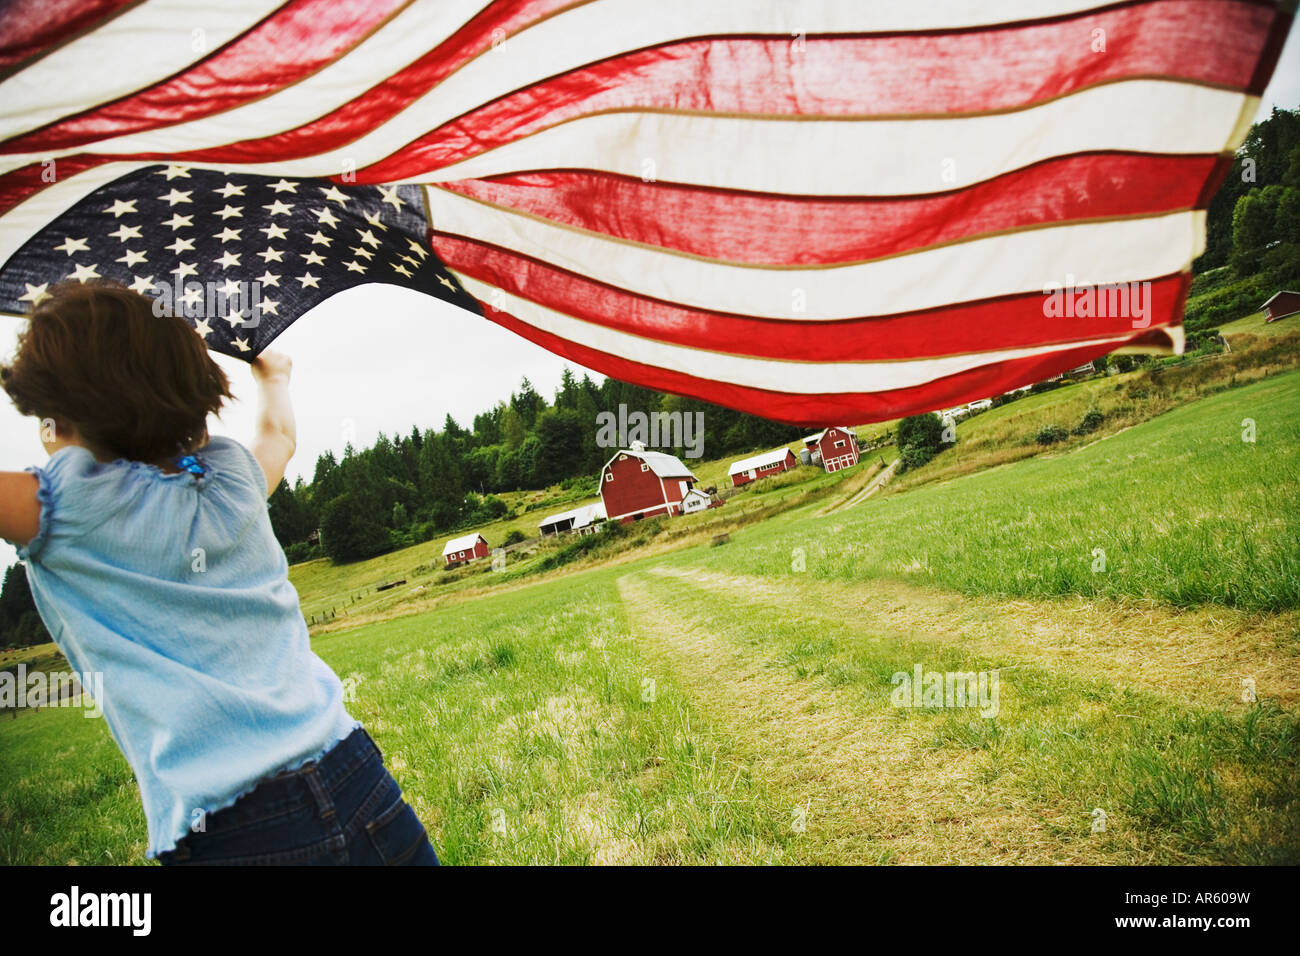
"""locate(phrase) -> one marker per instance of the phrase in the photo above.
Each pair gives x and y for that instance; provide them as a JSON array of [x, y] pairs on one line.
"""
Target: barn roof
[[1275, 295], [818, 437], [759, 461], [665, 466], [463, 543], [582, 517]]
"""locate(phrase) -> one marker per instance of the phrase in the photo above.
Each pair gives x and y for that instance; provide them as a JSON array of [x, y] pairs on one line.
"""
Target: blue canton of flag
[[240, 256]]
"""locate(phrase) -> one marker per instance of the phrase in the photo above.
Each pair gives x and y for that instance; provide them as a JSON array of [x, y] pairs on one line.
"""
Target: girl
[[152, 562]]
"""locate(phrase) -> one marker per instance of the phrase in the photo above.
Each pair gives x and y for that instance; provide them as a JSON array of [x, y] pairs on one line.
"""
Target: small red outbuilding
[[761, 466], [468, 547], [1282, 304]]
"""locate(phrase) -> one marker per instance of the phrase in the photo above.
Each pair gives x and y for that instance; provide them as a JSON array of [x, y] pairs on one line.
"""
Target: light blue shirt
[[174, 589]]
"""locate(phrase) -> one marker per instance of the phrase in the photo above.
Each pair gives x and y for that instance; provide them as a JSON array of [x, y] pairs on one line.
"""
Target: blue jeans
[[344, 809]]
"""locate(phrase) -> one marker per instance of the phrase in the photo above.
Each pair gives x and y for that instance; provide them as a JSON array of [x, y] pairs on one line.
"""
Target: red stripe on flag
[[815, 410], [763, 228], [30, 27], [19, 185], [1007, 322]]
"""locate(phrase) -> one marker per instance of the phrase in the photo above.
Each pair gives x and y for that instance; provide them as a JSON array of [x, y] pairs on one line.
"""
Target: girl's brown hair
[[133, 383]]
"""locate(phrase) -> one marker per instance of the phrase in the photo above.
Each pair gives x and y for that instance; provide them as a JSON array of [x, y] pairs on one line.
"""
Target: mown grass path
[[857, 791], [1133, 709]]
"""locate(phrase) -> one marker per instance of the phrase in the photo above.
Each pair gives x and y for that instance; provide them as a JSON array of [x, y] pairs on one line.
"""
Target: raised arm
[[276, 436], [20, 510]]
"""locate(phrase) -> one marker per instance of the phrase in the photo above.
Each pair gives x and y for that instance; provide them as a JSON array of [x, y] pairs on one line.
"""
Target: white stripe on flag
[[403, 39], [892, 157], [146, 43]]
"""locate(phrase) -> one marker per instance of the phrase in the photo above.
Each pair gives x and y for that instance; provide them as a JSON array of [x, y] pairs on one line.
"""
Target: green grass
[[1185, 511], [524, 726], [517, 726], [1255, 324], [68, 795], [1177, 780]]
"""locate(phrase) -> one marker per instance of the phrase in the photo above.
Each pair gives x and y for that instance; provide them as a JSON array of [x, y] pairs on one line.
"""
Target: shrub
[[920, 438], [921, 431], [1051, 434], [1090, 422], [302, 551], [913, 457], [514, 537]]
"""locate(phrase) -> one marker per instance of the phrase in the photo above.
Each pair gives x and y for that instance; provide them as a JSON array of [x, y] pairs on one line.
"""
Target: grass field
[[1255, 324], [1185, 511], [702, 704]]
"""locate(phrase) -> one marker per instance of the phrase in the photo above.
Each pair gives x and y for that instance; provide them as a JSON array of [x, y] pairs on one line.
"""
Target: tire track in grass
[[1199, 656], [1131, 707], [878, 481], [871, 790]]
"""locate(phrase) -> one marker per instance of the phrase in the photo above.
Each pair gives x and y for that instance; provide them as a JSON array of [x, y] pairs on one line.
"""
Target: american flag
[[817, 212]]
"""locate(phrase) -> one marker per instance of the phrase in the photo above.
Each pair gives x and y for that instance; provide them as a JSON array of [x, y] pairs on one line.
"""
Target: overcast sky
[[379, 358]]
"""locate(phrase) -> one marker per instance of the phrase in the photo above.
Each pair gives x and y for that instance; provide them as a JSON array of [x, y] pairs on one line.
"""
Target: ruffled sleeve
[[59, 500], [45, 495]]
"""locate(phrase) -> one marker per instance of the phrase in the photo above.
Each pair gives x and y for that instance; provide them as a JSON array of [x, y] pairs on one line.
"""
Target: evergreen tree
[[527, 403], [487, 426], [327, 482], [440, 481], [20, 623], [559, 445], [291, 518], [350, 533], [513, 429], [566, 396]]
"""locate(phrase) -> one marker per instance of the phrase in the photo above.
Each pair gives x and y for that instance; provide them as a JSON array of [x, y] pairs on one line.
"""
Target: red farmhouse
[[1282, 304], [637, 484], [835, 448], [468, 547], [761, 466]]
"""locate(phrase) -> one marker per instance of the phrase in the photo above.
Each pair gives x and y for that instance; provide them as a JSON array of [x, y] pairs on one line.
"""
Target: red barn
[[637, 484], [761, 466], [836, 448], [466, 548], [1282, 304]]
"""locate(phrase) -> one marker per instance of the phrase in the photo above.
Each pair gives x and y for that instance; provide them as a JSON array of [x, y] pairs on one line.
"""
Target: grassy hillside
[[1255, 324], [733, 703]]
